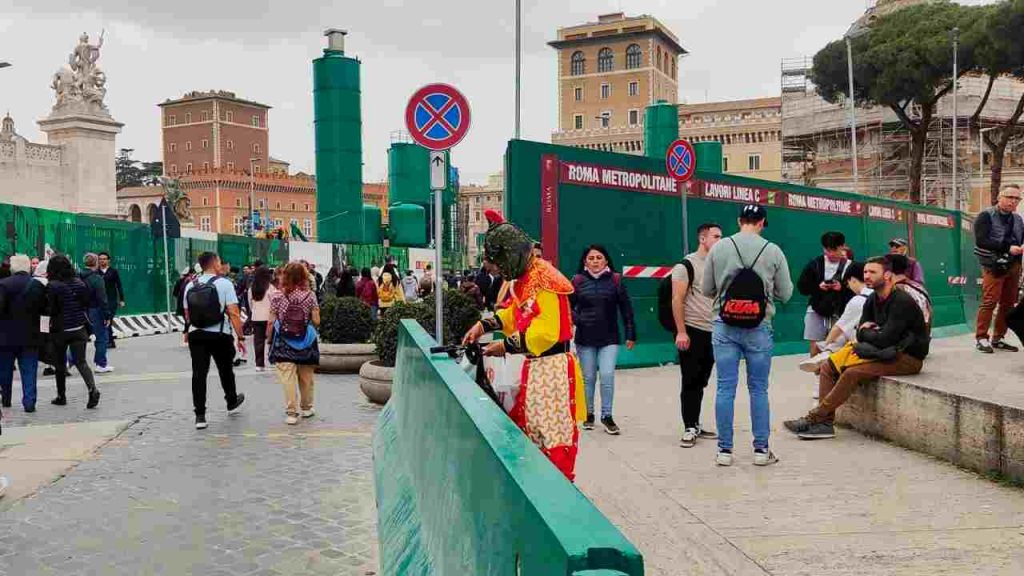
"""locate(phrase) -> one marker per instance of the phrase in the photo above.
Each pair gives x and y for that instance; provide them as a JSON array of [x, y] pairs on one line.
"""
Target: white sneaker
[[261, 369], [765, 458], [813, 363], [291, 420], [724, 459], [104, 369], [4, 483], [689, 438], [308, 413]]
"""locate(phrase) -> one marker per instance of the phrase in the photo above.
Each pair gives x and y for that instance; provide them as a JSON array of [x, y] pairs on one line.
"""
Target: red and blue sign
[[681, 160], [437, 116]]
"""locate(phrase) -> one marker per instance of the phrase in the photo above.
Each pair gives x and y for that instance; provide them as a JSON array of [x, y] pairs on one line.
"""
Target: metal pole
[[438, 275], [957, 200], [686, 228], [167, 266], [252, 200], [519, 62], [853, 115]]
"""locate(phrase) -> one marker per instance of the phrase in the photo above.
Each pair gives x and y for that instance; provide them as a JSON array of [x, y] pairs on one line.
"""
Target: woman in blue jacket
[[599, 299]]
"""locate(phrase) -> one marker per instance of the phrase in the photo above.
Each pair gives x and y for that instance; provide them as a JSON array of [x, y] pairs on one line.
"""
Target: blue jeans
[[755, 346], [28, 364], [592, 361], [98, 319]]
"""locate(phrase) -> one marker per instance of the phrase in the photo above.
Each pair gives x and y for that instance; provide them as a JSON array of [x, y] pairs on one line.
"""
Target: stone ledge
[[979, 434]]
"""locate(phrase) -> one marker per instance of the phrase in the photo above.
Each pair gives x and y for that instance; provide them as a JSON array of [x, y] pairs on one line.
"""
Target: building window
[[307, 207], [174, 168], [673, 69], [238, 202], [659, 57], [634, 117], [172, 120], [476, 216], [606, 118], [256, 169], [293, 206], [295, 222], [204, 223], [278, 223], [229, 116], [206, 201], [634, 56], [634, 88], [578, 94], [256, 120], [239, 225], [605, 60], [205, 116], [725, 163], [256, 148], [307, 227], [577, 121], [205, 143], [262, 203], [754, 162], [231, 165], [278, 206], [188, 145], [173, 147], [577, 67], [188, 117], [230, 144], [206, 166], [188, 168], [606, 91]]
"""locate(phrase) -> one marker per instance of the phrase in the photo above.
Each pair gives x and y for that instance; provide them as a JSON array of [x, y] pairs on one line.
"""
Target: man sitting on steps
[[892, 341]]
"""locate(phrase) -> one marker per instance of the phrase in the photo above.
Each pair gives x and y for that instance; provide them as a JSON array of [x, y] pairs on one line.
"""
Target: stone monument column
[[81, 124]]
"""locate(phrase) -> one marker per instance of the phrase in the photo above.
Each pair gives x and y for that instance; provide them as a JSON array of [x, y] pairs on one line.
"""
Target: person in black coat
[[821, 282], [489, 281], [22, 302], [599, 299]]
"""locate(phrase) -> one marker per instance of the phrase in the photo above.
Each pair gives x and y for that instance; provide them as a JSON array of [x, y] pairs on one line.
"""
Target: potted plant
[[345, 328], [460, 314], [375, 376]]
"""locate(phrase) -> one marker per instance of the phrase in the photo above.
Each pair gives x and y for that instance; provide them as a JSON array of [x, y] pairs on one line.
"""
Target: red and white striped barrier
[[957, 280], [656, 272]]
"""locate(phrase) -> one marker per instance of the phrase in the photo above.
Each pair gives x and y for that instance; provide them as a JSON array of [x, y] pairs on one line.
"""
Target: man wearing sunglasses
[[999, 236]]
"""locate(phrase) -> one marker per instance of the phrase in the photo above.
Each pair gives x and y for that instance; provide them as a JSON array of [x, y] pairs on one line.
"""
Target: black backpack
[[745, 302], [204, 309], [665, 316]]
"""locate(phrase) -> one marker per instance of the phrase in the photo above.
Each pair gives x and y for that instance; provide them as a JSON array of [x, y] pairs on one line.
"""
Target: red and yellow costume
[[537, 321]]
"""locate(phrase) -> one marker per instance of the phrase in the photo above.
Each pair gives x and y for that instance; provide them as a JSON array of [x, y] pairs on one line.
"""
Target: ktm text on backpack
[[204, 308], [745, 302]]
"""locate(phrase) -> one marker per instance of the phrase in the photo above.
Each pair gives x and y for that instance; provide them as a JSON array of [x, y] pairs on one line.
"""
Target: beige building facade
[[609, 71], [473, 201], [750, 132]]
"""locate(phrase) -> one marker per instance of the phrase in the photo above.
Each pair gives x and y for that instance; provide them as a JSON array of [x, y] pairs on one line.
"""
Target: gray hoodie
[[723, 264]]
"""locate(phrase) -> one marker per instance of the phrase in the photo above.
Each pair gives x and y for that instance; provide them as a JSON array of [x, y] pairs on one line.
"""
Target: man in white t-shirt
[[692, 311], [845, 327], [214, 340]]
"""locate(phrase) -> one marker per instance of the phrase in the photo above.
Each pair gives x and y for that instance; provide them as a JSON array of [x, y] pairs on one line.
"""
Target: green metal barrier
[[461, 490]]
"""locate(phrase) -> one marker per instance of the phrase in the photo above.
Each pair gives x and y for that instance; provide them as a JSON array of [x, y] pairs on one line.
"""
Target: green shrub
[[385, 334], [460, 313], [345, 321]]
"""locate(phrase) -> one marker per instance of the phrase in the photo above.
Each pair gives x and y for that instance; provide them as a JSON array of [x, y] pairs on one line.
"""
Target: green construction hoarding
[[568, 198]]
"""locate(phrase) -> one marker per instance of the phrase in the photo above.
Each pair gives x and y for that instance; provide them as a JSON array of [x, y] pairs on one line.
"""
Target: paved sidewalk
[[848, 506], [248, 496]]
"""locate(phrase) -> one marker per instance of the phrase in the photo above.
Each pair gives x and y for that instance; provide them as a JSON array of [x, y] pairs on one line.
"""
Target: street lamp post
[[519, 63], [855, 31], [957, 197]]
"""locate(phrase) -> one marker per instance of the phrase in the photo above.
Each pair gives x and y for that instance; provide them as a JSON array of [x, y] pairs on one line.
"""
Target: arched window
[[659, 58], [605, 60], [634, 56], [579, 64], [673, 69], [135, 213], [151, 213]]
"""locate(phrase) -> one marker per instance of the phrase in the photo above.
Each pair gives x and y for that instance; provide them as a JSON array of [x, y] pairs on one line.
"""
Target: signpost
[[681, 162], [437, 116]]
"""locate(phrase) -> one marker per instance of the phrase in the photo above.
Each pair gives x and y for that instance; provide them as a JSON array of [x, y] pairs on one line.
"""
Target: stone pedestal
[[87, 158]]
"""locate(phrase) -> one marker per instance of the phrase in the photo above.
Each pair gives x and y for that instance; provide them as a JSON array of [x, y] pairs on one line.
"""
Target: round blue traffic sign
[[437, 116], [681, 160]]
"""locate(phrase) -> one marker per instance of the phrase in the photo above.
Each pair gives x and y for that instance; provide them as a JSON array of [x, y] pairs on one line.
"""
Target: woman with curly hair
[[294, 315], [69, 301]]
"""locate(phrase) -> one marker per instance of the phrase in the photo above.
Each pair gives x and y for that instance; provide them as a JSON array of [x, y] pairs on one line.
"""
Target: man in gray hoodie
[[729, 257]]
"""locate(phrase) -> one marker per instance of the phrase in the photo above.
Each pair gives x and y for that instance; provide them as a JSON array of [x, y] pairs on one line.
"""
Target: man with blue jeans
[[747, 249], [98, 310], [22, 301]]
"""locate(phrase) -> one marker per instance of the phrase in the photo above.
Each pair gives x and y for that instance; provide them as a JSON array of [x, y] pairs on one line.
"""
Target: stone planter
[[375, 382], [344, 358]]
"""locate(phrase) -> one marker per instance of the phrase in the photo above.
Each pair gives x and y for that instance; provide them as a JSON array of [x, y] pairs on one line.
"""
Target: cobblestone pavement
[[249, 495]]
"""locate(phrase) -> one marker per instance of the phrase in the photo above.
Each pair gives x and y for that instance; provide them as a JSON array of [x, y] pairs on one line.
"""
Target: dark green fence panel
[[936, 237]]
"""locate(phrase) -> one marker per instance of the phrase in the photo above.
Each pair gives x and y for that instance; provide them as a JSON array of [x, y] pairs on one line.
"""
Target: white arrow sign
[[438, 171]]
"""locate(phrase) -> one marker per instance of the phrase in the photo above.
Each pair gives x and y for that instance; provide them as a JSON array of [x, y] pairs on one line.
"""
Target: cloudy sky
[[261, 49]]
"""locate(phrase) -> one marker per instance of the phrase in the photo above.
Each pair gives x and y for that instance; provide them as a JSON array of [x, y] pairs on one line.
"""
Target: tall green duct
[[709, 156], [661, 128], [408, 174], [337, 120]]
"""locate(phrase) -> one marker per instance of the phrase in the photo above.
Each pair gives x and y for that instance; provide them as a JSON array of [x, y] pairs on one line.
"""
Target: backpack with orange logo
[[745, 301]]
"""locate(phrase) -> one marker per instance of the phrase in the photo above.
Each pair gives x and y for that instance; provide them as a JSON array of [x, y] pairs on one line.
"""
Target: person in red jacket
[[366, 290]]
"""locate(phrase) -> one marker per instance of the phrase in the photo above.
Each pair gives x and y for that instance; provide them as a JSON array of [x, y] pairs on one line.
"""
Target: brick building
[[609, 71]]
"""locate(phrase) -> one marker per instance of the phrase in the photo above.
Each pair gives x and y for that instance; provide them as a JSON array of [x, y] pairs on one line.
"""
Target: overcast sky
[[261, 50]]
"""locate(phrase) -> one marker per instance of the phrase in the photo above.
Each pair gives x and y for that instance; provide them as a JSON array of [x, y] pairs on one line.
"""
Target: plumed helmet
[[507, 246]]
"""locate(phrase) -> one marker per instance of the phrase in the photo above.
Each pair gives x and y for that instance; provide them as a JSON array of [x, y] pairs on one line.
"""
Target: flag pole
[[167, 271]]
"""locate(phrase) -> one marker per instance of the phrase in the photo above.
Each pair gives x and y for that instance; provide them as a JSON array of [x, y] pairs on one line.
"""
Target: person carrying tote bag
[[291, 330]]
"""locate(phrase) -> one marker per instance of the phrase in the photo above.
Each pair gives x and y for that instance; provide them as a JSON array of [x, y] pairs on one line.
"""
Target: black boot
[[61, 399], [94, 398]]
